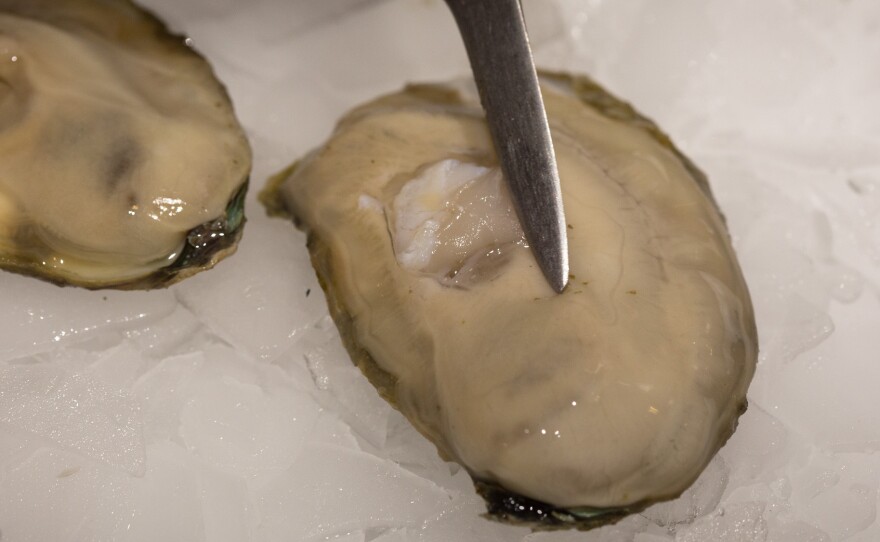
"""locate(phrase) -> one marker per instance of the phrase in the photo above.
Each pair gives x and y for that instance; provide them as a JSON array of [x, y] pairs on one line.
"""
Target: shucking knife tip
[[559, 283], [557, 276]]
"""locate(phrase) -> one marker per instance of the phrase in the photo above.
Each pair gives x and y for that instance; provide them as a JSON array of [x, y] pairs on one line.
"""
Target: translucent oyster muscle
[[123, 164], [570, 409]]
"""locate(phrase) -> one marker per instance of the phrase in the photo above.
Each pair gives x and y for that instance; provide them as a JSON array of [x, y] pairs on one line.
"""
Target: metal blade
[[494, 35]]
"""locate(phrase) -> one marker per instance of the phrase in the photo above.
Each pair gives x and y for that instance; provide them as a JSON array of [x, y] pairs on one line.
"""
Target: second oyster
[[123, 164]]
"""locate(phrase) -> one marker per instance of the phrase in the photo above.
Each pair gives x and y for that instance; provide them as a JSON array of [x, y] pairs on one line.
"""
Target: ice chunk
[[117, 367], [346, 390], [653, 537], [857, 216], [259, 22], [330, 429], [162, 392], [668, 59], [166, 502], [61, 495], [140, 351], [462, 520], [168, 392], [16, 446], [242, 428], [838, 494], [623, 531], [694, 65], [699, 499], [229, 515], [241, 313], [320, 336], [740, 522], [236, 415], [412, 451], [75, 411], [760, 445], [545, 22], [38, 316], [426, 28], [332, 490], [177, 333], [797, 531], [829, 395]]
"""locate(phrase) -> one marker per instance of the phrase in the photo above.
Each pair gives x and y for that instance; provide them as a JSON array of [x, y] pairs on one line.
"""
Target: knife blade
[[494, 35]]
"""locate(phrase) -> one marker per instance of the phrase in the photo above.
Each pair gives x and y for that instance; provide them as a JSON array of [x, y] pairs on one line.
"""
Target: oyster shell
[[567, 410], [123, 164]]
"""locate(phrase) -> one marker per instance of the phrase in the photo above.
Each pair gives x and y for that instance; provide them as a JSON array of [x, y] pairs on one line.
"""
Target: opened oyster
[[570, 409], [122, 162]]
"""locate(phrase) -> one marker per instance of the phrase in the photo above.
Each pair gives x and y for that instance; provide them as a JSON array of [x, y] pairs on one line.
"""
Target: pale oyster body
[[566, 409], [122, 162]]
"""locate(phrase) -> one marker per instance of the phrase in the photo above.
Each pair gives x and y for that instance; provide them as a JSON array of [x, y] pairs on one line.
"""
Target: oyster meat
[[570, 409], [123, 164]]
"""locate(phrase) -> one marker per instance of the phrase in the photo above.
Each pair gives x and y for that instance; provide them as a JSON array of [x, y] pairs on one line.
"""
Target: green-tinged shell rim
[[205, 245], [502, 505]]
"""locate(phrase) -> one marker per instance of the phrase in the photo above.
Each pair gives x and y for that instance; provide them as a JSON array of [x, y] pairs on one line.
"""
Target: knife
[[494, 35]]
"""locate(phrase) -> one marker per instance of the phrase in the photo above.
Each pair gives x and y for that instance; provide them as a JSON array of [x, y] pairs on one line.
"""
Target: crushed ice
[[225, 409]]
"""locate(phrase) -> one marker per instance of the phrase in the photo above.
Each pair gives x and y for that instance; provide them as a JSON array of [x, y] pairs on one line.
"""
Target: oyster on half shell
[[123, 164], [567, 410]]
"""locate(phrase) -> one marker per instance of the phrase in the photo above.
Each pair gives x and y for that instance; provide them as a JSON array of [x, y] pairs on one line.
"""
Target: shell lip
[[505, 506], [205, 245]]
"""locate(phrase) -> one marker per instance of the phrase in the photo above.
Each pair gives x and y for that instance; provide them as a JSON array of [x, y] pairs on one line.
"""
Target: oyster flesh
[[567, 410], [123, 164]]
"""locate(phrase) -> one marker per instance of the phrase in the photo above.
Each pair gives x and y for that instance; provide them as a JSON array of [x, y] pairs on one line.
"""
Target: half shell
[[567, 410]]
